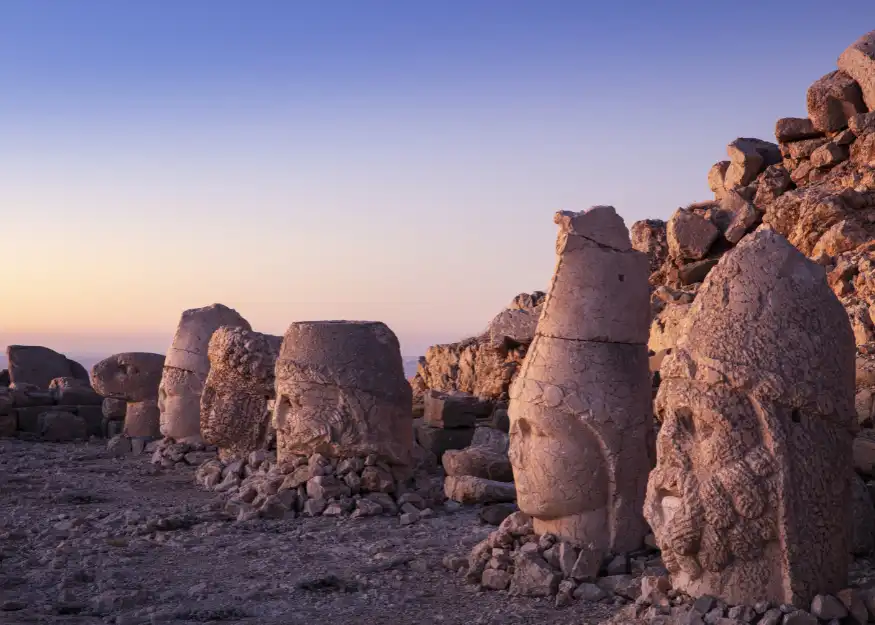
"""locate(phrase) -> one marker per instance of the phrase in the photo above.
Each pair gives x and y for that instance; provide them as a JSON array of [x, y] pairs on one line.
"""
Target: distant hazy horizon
[[388, 160]]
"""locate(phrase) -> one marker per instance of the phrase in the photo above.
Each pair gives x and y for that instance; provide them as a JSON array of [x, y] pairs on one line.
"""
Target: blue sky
[[390, 160]]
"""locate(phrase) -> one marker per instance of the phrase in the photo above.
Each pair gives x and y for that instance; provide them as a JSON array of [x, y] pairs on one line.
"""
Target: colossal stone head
[[341, 391], [187, 366], [751, 492], [233, 407], [133, 376], [581, 428]]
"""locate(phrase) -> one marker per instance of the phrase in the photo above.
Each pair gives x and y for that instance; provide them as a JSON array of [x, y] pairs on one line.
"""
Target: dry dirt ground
[[88, 538]]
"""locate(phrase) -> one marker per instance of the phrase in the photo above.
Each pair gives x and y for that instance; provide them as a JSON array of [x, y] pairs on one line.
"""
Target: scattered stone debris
[[516, 559], [317, 486]]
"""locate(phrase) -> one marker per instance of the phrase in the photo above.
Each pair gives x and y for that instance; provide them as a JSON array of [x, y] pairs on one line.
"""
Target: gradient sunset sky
[[363, 159]]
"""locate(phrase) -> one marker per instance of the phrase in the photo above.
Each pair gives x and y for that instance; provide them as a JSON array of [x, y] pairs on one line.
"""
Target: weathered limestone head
[[187, 366], [580, 410], [133, 376], [750, 495], [189, 350], [341, 391], [234, 414]]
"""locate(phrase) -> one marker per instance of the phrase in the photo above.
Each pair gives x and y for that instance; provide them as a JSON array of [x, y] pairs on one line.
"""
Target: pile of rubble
[[658, 604], [320, 486], [515, 559]]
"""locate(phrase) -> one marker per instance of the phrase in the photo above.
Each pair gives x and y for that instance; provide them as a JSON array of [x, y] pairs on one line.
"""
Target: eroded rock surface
[[240, 383]]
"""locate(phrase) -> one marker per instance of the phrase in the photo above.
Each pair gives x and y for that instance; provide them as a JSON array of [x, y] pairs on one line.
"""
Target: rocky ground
[[86, 537]]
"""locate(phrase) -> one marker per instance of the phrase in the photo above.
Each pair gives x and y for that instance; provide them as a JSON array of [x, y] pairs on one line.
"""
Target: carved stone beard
[[730, 516]]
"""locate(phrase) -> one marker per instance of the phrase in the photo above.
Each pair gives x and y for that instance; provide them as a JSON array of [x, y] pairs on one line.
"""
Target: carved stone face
[[179, 397], [550, 489], [712, 498]]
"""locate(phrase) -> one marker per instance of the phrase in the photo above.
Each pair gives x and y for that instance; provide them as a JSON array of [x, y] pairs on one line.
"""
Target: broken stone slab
[[693, 273], [132, 376], [74, 391], [795, 129], [454, 410], [748, 158], [58, 426], [491, 438], [533, 577], [467, 489], [862, 124], [738, 214], [114, 408], [773, 183], [690, 235], [649, 237], [330, 402], [439, 440], [30, 364], [829, 155], [478, 462], [234, 412], [832, 100], [858, 62], [717, 178], [756, 396]]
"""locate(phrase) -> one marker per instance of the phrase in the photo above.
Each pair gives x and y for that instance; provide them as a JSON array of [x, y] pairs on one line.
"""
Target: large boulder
[[795, 129], [748, 158], [473, 490], [690, 235], [649, 236], [478, 462], [74, 392], [832, 100], [858, 62], [60, 426], [29, 364]]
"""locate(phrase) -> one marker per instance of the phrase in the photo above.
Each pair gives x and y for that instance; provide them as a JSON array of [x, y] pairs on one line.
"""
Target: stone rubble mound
[[258, 487], [515, 559]]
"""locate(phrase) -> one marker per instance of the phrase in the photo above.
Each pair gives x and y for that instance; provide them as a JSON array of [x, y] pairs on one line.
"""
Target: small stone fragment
[[827, 607]]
